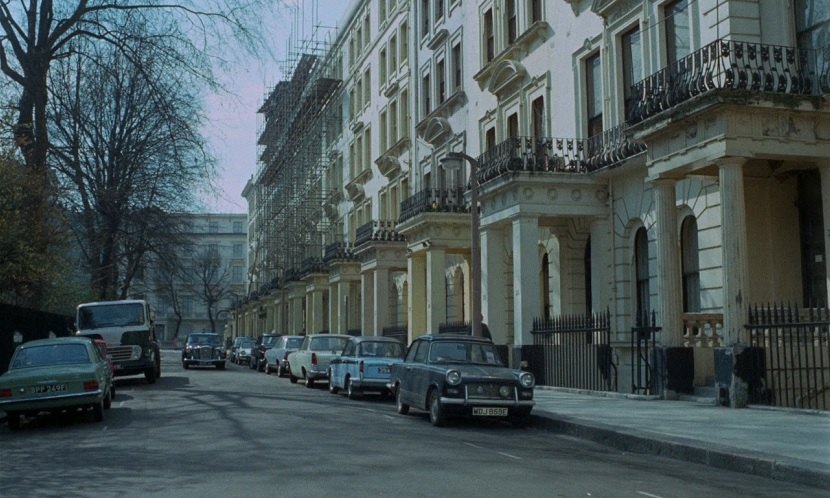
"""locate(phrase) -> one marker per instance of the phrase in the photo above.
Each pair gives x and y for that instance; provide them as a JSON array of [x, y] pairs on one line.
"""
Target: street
[[206, 432]]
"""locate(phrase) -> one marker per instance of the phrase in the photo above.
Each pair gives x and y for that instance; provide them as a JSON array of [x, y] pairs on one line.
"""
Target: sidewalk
[[784, 444]]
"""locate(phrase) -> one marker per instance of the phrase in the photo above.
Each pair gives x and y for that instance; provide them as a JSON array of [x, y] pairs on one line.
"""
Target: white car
[[311, 361], [276, 358], [243, 352]]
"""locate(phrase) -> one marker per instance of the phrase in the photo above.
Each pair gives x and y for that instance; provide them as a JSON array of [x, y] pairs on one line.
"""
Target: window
[[593, 79], [489, 139], [489, 36], [424, 18], [367, 148], [238, 227], [404, 104], [632, 45], [537, 116], [237, 274], [690, 265], [384, 139], [382, 66], [442, 81], [381, 11], [404, 38], [352, 104], [439, 10], [512, 25], [425, 87], [358, 105], [641, 269], [367, 34], [393, 56], [367, 87], [393, 122], [456, 67], [238, 250], [535, 10], [513, 126], [213, 226], [187, 305], [676, 21]]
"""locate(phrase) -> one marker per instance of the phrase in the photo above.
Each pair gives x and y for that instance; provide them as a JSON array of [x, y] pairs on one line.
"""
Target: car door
[[296, 360], [407, 372]]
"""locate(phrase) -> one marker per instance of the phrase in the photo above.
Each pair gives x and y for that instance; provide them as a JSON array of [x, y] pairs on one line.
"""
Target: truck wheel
[[150, 375]]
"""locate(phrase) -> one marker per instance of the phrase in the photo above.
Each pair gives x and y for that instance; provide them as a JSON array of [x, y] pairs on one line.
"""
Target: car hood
[[483, 372]]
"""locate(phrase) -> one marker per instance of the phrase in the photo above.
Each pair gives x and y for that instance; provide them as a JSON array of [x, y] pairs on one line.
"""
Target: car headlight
[[453, 377], [526, 380], [505, 391]]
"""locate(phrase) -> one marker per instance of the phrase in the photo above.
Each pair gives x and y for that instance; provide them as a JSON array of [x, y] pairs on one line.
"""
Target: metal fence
[[576, 352], [643, 348], [793, 358], [18, 325]]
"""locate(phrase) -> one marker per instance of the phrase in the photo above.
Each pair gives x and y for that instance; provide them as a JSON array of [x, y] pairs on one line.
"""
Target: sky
[[231, 126]]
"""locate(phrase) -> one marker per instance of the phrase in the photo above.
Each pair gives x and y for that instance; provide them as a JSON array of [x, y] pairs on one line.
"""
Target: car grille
[[486, 391], [124, 353], [204, 353]]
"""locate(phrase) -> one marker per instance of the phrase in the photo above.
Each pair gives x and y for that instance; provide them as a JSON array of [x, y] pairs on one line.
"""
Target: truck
[[128, 329]]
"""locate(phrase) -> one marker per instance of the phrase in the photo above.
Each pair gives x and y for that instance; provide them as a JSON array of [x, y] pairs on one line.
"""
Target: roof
[[374, 338], [119, 301], [454, 338], [57, 340]]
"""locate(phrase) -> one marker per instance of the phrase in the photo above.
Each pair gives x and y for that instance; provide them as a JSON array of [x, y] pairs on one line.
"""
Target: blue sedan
[[365, 365]]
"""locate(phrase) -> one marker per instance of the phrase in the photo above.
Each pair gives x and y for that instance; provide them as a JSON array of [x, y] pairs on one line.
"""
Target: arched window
[[690, 265], [641, 268]]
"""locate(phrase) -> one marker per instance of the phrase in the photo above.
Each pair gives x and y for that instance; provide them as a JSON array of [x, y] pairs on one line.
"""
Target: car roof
[[454, 338], [121, 301], [57, 340], [374, 338], [330, 335]]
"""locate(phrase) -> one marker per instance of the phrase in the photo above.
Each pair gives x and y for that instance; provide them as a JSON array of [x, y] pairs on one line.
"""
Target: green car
[[62, 374]]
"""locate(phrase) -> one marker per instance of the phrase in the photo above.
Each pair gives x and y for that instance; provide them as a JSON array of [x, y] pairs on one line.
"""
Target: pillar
[[824, 170], [494, 290], [735, 263], [436, 289], [669, 284], [381, 304], [315, 311], [525, 278], [416, 307], [367, 321]]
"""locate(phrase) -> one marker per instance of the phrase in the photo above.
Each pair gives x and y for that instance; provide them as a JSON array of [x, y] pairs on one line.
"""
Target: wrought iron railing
[[399, 332], [731, 65], [643, 346], [338, 251], [312, 265], [433, 201], [377, 230]]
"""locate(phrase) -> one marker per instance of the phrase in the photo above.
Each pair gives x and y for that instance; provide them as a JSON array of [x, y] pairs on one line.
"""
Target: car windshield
[[270, 340], [52, 354], [293, 342], [110, 315], [335, 344], [463, 352], [203, 340], [381, 349], [247, 343]]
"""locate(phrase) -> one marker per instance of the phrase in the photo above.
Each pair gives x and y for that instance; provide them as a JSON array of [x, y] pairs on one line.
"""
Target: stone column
[[669, 284], [493, 286], [733, 233], [367, 319], [436, 289], [416, 276], [295, 313], [824, 170], [381, 304], [525, 279], [333, 325], [316, 322], [602, 268]]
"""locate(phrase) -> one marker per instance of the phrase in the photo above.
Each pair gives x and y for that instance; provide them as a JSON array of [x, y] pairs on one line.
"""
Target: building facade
[[665, 163]]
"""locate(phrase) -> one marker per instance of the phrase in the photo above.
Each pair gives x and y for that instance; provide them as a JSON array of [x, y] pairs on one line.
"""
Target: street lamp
[[452, 161]]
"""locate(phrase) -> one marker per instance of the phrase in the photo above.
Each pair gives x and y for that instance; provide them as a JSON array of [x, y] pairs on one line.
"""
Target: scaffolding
[[297, 122]]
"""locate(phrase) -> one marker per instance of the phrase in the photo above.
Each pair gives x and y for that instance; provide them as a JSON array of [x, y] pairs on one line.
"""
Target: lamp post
[[453, 161]]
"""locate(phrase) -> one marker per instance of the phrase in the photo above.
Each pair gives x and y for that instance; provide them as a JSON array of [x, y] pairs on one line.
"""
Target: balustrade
[[702, 330]]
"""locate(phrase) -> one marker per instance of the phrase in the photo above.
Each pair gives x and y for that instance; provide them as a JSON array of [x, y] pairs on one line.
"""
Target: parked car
[[61, 374], [263, 344], [311, 361], [276, 358], [365, 365], [203, 349], [102, 348], [243, 351], [460, 375], [231, 353]]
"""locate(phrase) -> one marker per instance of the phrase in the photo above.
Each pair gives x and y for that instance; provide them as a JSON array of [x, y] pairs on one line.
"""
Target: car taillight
[[5, 393], [313, 358], [91, 385]]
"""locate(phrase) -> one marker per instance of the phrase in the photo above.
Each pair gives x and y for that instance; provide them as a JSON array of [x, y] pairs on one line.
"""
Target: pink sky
[[231, 126]]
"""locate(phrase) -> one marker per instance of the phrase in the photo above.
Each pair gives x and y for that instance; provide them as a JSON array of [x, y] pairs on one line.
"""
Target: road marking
[[648, 494], [508, 455], [474, 446]]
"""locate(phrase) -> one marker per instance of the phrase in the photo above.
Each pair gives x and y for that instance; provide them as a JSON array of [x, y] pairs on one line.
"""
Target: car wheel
[[260, 366], [436, 411], [98, 411], [13, 419], [292, 377], [185, 365], [150, 375], [267, 368], [350, 391], [403, 408], [332, 388], [112, 392], [220, 366], [107, 401], [309, 382]]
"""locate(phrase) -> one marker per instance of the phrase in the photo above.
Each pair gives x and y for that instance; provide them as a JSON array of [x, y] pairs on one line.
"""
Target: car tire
[[13, 419], [436, 412], [309, 382], [98, 411], [350, 391], [150, 375], [402, 407], [112, 392], [220, 366], [267, 368], [280, 372], [185, 365], [292, 377], [332, 388], [107, 401]]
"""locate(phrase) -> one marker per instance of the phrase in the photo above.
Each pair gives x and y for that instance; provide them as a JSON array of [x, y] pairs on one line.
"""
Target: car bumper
[[53, 402], [489, 403], [317, 374], [370, 384], [190, 361]]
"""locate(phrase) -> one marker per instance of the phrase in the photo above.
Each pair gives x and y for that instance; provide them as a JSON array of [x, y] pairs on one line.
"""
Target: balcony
[[338, 251], [557, 155], [729, 66], [312, 265], [433, 201], [379, 231]]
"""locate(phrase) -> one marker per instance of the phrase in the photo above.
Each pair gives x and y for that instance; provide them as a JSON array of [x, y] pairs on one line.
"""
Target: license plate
[[489, 412], [49, 388], [384, 370]]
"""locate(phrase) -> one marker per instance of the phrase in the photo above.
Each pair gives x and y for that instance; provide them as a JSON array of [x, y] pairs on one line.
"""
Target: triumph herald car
[[56, 375], [460, 375], [311, 361], [276, 358], [365, 365], [203, 349]]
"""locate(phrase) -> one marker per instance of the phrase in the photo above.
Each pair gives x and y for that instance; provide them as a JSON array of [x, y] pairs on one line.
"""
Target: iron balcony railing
[[557, 155], [377, 230], [312, 265], [338, 251], [433, 200], [731, 65]]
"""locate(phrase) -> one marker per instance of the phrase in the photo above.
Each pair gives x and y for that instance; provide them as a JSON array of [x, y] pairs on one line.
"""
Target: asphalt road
[[203, 432]]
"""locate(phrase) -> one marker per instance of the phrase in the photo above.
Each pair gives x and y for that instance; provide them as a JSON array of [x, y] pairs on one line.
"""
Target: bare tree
[[211, 281], [127, 152], [167, 281]]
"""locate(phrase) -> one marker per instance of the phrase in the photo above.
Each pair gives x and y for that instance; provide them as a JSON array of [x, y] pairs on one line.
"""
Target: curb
[[712, 455]]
